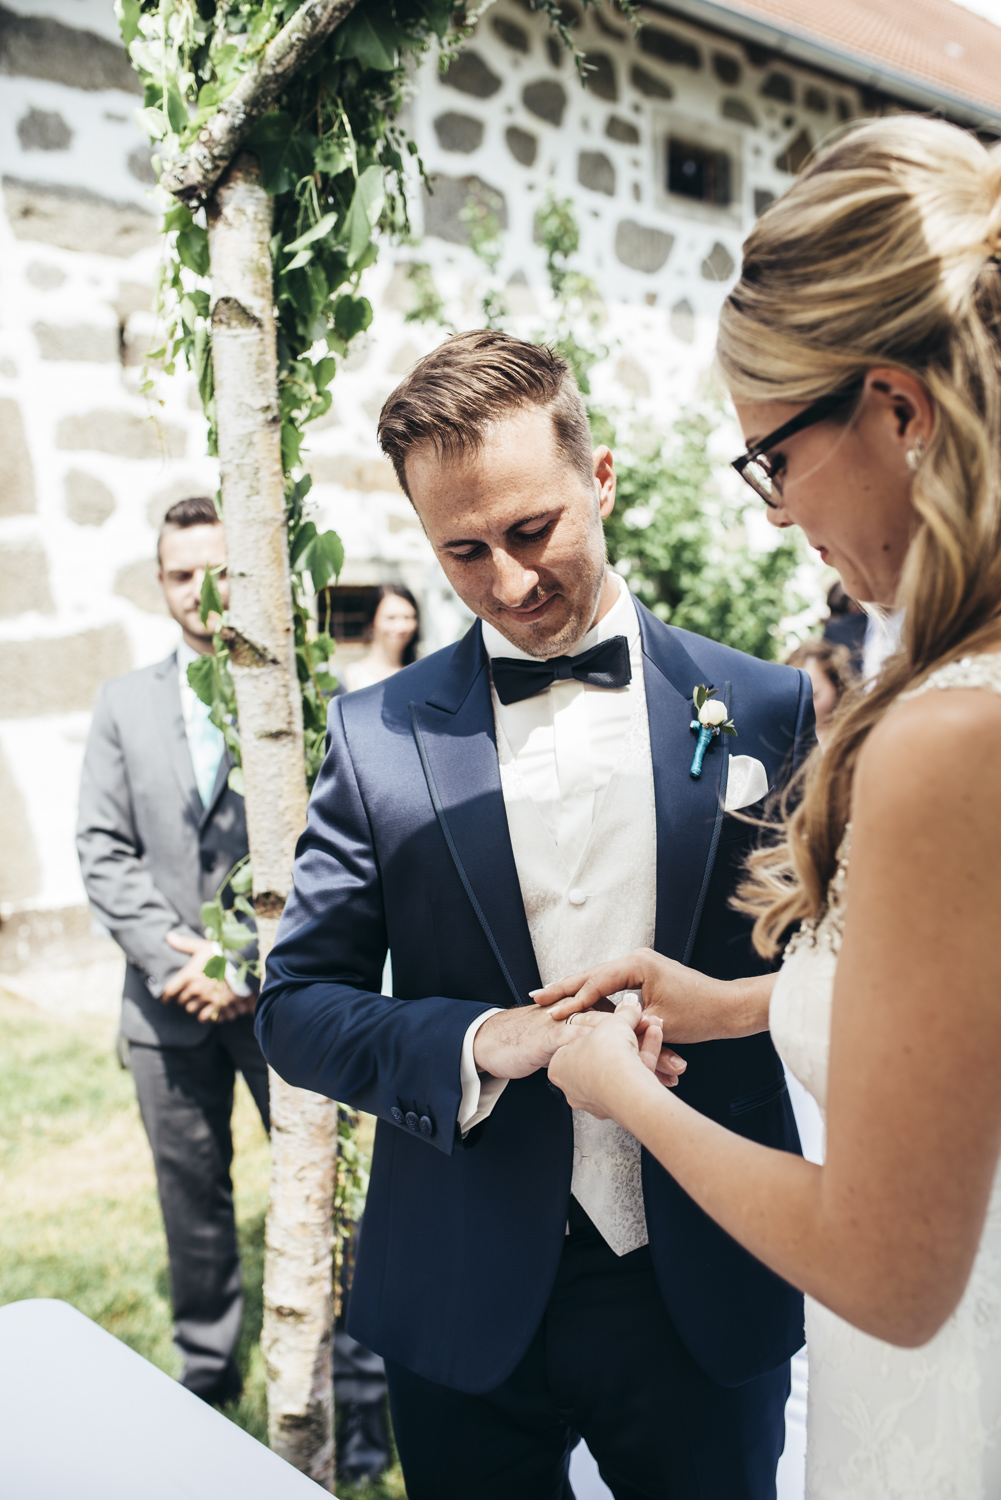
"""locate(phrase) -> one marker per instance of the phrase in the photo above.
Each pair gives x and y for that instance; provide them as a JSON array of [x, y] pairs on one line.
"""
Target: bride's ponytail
[[887, 250]]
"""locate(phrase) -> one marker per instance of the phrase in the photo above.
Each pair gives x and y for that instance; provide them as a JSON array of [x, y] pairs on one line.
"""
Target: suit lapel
[[456, 722], [688, 811], [175, 741]]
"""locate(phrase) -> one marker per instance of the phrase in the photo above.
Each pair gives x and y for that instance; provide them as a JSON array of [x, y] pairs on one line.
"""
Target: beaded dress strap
[[981, 671]]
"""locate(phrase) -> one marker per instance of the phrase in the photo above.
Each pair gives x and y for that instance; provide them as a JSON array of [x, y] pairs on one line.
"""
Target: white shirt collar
[[621, 619], [185, 656]]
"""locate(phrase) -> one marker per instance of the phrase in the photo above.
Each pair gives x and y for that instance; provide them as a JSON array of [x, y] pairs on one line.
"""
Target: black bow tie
[[606, 666]]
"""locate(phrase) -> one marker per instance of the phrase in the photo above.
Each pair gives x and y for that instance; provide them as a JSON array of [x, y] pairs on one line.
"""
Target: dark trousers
[[186, 1101], [606, 1364]]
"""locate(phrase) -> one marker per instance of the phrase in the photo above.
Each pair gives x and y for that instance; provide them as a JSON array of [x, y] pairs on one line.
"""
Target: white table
[[83, 1417]]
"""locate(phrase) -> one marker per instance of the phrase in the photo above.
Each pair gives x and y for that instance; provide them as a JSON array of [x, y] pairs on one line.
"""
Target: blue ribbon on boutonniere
[[710, 721]]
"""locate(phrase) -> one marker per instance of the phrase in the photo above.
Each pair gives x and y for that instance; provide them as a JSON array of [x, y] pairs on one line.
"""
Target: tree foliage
[[683, 548], [334, 160]]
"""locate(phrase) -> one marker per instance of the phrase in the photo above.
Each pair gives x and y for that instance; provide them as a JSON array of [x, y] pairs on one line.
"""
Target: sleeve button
[[427, 1125], [397, 1114], [412, 1121]]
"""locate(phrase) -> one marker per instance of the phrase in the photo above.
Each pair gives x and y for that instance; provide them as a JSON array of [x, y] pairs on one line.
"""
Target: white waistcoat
[[600, 910]]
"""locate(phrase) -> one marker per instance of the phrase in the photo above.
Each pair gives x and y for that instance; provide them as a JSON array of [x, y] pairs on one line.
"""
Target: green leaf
[[153, 121], [363, 215], [203, 676], [352, 315], [178, 217], [325, 369], [331, 157], [215, 967], [212, 919], [129, 12], [202, 361], [193, 249], [357, 37], [303, 540], [320, 228], [235, 935], [728, 729], [235, 780], [285, 154], [302, 259], [177, 110], [326, 558], [210, 602], [291, 443], [242, 881]]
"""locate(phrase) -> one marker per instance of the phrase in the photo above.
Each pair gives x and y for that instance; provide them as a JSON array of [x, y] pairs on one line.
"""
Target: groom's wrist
[[514, 1043]]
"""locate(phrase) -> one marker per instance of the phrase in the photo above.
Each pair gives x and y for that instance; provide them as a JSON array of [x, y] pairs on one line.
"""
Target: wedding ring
[[570, 1019]]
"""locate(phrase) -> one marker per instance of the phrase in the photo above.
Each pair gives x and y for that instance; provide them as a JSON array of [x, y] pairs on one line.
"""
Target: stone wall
[[84, 454], [90, 465]]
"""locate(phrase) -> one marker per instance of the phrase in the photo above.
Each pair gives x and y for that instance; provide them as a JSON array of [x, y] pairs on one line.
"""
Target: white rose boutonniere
[[710, 720]]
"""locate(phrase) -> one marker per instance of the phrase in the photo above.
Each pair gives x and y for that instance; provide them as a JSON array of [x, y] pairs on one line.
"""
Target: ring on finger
[[570, 1019]]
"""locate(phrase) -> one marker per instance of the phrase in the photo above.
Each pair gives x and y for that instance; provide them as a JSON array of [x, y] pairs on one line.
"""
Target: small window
[[342, 610], [700, 174]]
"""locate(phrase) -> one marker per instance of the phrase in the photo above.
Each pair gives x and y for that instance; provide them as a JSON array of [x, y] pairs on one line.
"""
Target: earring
[[913, 455]]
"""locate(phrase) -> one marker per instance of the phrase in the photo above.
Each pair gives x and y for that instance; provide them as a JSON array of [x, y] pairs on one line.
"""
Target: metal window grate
[[343, 610], [699, 173]]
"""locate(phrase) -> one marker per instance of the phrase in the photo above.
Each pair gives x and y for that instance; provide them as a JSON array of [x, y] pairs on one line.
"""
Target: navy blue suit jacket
[[462, 1238]]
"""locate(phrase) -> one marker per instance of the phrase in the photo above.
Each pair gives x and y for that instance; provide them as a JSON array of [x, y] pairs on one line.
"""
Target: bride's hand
[[604, 1053], [691, 1006]]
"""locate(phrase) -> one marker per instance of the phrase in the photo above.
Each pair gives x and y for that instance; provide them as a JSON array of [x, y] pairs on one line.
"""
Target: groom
[[512, 808]]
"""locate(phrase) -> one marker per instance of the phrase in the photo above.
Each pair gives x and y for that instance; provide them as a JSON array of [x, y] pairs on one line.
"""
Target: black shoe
[[363, 1440]]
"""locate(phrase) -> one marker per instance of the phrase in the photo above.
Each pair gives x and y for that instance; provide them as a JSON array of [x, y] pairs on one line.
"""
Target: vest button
[[577, 897]]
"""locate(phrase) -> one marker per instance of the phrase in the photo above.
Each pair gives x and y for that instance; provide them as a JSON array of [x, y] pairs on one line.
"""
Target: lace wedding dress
[[886, 1423]]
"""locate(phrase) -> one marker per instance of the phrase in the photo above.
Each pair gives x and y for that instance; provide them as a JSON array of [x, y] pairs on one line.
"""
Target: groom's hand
[[514, 1043]]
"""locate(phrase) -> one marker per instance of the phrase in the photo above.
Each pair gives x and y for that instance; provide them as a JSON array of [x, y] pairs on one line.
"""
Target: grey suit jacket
[[149, 851]]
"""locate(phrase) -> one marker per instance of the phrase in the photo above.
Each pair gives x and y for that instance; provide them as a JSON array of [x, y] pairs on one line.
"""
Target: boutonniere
[[710, 720]]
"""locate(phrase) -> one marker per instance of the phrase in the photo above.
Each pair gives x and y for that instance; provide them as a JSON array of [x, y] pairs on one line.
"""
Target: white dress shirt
[[565, 742], [576, 774]]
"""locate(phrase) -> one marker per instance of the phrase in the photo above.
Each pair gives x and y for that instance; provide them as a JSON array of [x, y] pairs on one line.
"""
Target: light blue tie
[[205, 744]]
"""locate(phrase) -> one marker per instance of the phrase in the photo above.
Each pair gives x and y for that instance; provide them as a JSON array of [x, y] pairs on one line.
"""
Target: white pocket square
[[747, 782]]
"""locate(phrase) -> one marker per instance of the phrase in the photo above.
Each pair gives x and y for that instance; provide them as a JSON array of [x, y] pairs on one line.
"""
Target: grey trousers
[[186, 1101]]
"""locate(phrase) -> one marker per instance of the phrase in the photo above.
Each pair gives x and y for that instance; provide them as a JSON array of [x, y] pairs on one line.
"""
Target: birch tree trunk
[[298, 1297]]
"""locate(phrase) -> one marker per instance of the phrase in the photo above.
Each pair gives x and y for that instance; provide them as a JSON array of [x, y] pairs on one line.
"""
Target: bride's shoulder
[[940, 740]]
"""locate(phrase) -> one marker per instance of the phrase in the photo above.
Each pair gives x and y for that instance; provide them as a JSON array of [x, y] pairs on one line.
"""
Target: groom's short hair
[[471, 380], [197, 511]]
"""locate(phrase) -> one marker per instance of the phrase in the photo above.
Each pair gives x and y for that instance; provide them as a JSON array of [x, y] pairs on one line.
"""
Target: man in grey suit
[[159, 830]]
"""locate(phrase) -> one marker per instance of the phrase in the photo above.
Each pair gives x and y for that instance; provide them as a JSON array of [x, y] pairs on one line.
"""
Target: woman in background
[[392, 630], [829, 668]]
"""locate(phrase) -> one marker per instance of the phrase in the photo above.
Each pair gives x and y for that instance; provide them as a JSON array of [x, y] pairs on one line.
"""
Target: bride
[[862, 348]]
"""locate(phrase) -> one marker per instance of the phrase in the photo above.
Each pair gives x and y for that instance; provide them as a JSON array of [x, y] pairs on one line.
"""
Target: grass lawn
[[81, 1220]]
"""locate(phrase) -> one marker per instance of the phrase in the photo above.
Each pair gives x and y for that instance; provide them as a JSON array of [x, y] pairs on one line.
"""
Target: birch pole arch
[[279, 163], [260, 636]]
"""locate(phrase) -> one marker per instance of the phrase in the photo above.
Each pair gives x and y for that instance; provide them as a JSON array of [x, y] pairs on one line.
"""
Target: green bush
[[684, 551]]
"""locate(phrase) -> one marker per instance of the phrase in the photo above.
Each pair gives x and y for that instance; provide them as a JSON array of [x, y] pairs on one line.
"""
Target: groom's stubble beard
[[580, 587]]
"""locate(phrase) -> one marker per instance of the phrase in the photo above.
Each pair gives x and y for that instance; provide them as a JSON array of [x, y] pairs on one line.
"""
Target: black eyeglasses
[[757, 467]]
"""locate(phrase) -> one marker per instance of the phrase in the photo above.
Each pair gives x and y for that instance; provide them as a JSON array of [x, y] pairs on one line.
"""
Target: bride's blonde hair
[[884, 252]]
